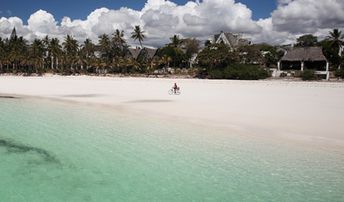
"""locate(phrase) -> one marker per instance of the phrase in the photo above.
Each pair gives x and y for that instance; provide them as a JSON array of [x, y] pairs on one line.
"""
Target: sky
[[79, 9], [270, 21]]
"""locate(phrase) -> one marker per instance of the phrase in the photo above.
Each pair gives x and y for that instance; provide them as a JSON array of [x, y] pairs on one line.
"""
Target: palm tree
[[105, 48], [2, 54], [119, 43], [87, 52], [37, 55], [13, 48], [175, 41], [117, 38], [336, 41], [70, 46], [130, 65], [5, 55], [166, 60], [13, 53], [336, 38], [17, 51], [55, 50], [47, 54], [137, 34]]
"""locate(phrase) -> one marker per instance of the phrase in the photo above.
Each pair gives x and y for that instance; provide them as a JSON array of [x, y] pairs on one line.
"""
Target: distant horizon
[[273, 22]]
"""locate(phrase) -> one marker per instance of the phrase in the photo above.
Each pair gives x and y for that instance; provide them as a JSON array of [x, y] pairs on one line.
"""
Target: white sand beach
[[311, 110]]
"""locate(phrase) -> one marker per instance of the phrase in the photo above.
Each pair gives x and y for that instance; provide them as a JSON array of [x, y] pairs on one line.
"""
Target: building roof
[[150, 52], [134, 52], [233, 40], [304, 54], [146, 53]]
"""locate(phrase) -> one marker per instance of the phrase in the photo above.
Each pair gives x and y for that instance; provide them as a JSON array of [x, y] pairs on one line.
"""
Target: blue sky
[[160, 19], [80, 9]]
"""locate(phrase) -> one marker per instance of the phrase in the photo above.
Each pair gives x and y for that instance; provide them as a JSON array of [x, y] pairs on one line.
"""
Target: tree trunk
[[340, 56], [14, 67], [52, 62], [36, 70]]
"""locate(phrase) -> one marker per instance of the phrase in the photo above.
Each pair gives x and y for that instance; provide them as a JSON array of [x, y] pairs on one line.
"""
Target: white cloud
[[293, 18], [160, 19], [268, 34], [308, 16], [42, 23], [195, 19], [7, 24]]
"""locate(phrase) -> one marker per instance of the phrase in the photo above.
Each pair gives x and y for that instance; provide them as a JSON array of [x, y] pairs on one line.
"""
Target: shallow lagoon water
[[56, 151]]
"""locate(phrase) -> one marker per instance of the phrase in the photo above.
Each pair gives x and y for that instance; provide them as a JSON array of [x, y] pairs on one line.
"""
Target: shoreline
[[240, 109], [249, 133], [169, 76]]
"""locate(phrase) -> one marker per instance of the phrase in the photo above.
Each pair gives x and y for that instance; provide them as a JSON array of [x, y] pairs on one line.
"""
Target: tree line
[[111, 54]]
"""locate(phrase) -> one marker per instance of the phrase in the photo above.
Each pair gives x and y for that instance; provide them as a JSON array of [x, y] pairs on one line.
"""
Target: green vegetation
[[340, 73], [308, 75], [239, 72], [246, 63], [175, 56], [331, 48], [137, 34], [177, 53], [307, 40], [217, 56], [110, 54]]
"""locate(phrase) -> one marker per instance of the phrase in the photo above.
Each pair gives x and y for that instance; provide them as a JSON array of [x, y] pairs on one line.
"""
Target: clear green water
[[53, 151]]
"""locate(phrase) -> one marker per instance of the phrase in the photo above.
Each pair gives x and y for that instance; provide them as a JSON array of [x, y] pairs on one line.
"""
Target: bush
[[283, 74], [217, 56], [240, 72], [339, 73], [308, 75], [216, 74]]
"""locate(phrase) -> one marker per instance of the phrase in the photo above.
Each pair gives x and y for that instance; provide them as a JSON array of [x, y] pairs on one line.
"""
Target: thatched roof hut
[[304, 54], [144, 54], [301, 58], [134, 52], [150, 52]]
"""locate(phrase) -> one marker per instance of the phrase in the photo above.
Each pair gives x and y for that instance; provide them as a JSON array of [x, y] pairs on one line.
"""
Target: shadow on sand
[[83, 95], [8, 97]]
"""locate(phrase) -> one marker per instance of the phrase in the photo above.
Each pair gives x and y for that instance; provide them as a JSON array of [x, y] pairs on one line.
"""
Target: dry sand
[[311, 110]]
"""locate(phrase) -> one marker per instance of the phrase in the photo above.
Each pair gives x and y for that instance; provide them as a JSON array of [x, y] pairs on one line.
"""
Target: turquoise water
[[55, 151]]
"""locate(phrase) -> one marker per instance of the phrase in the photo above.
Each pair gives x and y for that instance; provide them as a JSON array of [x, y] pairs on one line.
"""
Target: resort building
[[231, 40], [301, 58], [142, 54]]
